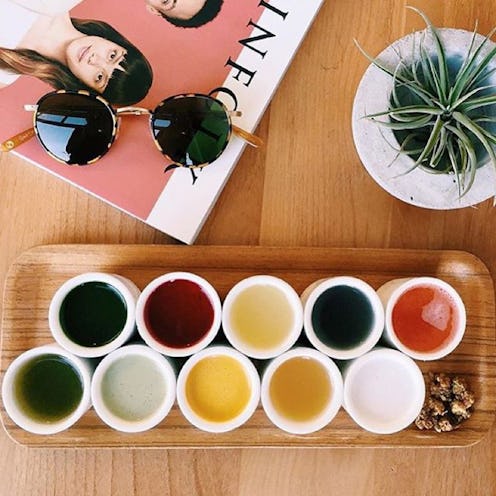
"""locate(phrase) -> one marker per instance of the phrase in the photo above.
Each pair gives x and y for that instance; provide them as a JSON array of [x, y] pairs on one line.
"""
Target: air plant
[[442, 111]]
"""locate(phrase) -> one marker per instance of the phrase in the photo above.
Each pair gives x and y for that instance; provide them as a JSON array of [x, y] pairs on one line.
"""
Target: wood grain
[[305, 187], [37, 273]]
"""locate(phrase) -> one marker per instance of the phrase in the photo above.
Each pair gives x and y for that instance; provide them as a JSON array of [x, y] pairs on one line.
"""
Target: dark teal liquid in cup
[[93, 314], [342, 317], [48, 388]]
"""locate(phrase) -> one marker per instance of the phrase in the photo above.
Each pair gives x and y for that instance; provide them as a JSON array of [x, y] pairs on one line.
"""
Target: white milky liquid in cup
[[382, 393], [133, 388]]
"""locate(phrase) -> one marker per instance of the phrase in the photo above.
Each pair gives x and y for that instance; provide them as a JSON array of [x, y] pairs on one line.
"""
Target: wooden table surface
[[306, 187]]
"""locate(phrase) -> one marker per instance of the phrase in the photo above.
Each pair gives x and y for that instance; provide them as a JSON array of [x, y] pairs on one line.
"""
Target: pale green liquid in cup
[[133, 388]]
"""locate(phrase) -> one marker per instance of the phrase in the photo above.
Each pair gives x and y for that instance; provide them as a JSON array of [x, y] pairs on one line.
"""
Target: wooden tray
[[37, 273]]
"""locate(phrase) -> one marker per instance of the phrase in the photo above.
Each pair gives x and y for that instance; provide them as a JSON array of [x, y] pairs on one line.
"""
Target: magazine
[[243, 48]]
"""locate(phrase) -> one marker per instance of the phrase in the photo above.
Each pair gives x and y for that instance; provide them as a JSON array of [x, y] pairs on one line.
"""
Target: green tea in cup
[[343, 316], [93, 313], [47, 389]]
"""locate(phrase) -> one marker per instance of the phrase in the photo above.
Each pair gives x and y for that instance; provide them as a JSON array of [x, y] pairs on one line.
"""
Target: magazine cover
[[140, 52]]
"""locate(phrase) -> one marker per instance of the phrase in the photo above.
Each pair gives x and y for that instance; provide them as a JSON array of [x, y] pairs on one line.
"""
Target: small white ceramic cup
[[310, 298], [264, 314], [18, 413], [133, 388], [301, 390], [203, 291], [391, 292], [384, 390], [124, 289], [219, 386]]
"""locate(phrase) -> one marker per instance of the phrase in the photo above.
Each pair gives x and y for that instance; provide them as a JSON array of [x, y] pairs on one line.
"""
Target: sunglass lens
[[191, 130], [74, 128]]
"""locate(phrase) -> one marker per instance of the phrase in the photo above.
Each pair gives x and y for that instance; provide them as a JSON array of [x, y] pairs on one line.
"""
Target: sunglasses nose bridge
[[128, 111], [133, 111]]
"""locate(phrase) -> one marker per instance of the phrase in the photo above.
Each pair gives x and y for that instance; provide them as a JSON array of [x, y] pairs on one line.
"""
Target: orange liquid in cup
[[300, 389], [424, 318]]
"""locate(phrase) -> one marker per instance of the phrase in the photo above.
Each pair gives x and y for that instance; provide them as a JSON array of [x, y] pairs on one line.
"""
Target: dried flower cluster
[[448, 403]]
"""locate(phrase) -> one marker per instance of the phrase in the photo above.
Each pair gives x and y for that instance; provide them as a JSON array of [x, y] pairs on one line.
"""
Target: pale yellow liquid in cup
[[217, 388], [300, 389], [262, 317]]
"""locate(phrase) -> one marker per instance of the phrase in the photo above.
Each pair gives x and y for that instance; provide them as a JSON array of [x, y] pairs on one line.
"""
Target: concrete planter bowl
[[378, 148]]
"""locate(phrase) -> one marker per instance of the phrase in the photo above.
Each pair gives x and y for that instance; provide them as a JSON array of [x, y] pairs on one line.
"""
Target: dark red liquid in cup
[[178, 313]]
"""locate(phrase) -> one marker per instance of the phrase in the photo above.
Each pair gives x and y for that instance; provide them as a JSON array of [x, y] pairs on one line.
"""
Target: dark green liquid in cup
[[342, 317], [48, 388], [93, 314]]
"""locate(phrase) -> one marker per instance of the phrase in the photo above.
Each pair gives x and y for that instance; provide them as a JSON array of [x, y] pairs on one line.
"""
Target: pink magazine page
[[184, 60], [245, 47]]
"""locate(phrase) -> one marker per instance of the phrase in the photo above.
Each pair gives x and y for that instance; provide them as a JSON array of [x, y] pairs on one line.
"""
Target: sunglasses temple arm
[[17, 140], [251, 139]]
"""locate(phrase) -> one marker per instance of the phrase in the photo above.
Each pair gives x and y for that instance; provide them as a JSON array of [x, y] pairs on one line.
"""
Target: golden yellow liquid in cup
[[300, 389], [218, 388], [262, 317]]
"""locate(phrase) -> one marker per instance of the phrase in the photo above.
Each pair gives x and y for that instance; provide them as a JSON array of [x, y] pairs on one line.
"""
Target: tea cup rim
[[80, 365], [384, 355], [208, 337], [253, 401], [127, 290], [313, 292], [458, 333], [330, 410], [113, 420], [293, 300]]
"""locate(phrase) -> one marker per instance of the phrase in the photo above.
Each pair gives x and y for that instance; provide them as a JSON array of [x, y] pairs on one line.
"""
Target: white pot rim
[[374, 142]]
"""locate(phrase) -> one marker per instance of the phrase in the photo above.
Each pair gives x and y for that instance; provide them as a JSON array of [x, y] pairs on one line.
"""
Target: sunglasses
[[78, 127]]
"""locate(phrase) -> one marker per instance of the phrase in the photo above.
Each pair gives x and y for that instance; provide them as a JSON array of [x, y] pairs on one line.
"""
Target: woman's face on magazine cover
[[93, 60], [179, 9]]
